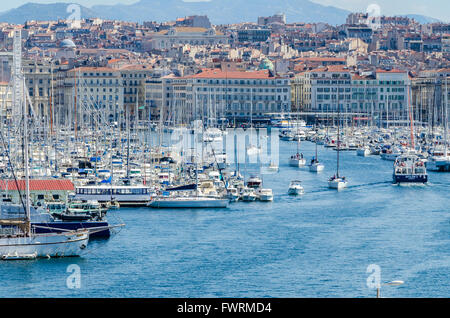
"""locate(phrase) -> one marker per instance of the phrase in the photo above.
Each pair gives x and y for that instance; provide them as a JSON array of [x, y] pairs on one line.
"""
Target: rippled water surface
[[318, 245]]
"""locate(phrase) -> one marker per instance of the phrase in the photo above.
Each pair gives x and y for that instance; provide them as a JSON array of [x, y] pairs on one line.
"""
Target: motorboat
[[363, 151], [295, 188], [248, 195], [265, 195], [254, 182]]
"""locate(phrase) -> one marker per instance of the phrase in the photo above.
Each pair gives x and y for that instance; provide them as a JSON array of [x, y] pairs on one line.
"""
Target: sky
[[439, 9]]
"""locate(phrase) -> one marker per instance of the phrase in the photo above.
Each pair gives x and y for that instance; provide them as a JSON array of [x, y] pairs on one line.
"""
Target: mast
[[128, 144], [411, 121], [338, 134], [27, 177], [446, 119]]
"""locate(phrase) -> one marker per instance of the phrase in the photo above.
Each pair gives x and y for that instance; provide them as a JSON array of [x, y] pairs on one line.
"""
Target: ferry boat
[[408, 168], [125, 195]]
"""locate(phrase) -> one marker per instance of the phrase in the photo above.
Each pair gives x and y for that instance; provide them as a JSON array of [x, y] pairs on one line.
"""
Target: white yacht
[[363, 151], [265, 195], [296, 188], [248, 195]]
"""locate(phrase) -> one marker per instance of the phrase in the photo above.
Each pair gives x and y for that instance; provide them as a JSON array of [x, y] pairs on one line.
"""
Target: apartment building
[[134, 77], [166, 39], [238, 95], [93, 89], [382, 94]]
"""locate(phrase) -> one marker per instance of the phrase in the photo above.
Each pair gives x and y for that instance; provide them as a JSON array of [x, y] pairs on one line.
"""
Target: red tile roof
[[38, 185]]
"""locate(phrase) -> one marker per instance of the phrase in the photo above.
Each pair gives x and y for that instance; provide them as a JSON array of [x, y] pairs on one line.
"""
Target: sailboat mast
[[411, 121], [446, 119], [27, 177], [338, 134]]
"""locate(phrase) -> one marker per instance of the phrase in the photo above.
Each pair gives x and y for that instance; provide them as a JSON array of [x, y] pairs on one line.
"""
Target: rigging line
[[12, 169]]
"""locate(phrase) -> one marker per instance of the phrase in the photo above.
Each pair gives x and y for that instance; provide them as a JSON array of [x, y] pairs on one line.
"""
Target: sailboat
[[337, 182], [252, 150], [297, 160], [408, 167], [17, 239], [440, 160], [315, 165]]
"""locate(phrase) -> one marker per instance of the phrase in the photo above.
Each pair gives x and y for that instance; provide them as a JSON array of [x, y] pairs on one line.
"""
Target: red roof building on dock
[[37, 185]]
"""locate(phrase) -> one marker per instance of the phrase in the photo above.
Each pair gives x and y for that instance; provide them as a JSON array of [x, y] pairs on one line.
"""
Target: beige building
[[186, 35], [91, 89]]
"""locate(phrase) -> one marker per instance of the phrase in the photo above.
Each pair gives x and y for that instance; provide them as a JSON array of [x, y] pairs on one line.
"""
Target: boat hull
[[438, 165], [44, 245], [55, 227], [295, 191], [363, 152], [316, 167], [188, 204], [398, 179], [297, 162], [338, 185]]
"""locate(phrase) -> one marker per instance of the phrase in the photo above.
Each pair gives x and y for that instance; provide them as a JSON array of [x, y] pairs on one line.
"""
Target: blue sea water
[[317, 245]]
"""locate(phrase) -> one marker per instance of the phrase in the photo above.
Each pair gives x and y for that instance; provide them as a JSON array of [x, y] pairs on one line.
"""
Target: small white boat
[[248, 195], [316, 166], [265, 195], [233, 194], [297, 160], [253, 150], [273, 167], [295, 188], [337, 183], [363, 151]]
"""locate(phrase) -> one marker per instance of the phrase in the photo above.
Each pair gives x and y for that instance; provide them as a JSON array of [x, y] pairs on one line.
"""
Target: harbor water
[[316, 245]]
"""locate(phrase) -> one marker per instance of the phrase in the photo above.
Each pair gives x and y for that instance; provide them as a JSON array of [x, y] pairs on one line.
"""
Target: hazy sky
[[439, 9]]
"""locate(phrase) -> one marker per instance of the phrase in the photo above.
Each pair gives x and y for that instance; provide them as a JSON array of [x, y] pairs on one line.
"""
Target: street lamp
[[393, 283]]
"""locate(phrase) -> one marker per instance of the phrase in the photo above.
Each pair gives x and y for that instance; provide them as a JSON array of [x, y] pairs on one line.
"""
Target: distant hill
[[225, 11], [219, 11], [42, 12], [422, 19]]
